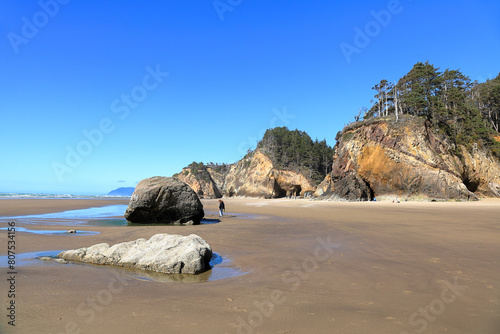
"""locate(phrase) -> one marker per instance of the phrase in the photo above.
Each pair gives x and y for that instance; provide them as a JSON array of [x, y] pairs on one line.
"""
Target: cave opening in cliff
[[472, 185], [367, 195], [297, 190], [372, 193], [278, 192]]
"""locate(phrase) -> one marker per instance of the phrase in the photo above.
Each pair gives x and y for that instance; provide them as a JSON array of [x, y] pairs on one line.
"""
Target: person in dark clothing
[[222, 208]]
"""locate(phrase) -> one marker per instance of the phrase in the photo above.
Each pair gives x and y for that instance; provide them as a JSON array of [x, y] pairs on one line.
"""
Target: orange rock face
[[256, 176], [252, 176], [202, 183], [408, 158]]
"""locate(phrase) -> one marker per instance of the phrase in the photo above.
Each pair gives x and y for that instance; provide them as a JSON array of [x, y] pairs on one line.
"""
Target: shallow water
[[28, 259], [221, 268], [111, 215], [74, 217], [51, 232], [237, 215]]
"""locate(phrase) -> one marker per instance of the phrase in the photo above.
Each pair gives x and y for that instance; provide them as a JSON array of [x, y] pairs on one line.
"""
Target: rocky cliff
[[252, 176], [255, 176], [200, 181], [407, 158]]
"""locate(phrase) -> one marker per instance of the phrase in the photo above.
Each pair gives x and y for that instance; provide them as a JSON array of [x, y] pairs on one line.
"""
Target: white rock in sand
[[165, 253]]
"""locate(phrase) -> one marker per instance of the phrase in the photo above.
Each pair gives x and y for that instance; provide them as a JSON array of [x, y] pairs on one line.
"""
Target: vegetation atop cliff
[[467, 112], [296, 151], [283, 151]]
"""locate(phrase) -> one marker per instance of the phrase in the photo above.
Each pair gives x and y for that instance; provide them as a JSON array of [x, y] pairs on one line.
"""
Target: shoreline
[[11, 207], [345, 267], [30, 206]]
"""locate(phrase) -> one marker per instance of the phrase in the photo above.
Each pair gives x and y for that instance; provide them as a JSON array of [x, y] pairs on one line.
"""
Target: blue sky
[[97, 95]]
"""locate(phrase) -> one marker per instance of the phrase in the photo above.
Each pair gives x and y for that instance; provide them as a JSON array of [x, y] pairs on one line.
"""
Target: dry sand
[[313, 267]]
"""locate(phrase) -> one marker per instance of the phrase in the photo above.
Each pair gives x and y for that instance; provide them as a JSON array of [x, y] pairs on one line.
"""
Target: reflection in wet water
[[124, 222], [28, 259], [221, 268], [53, 232], [111, 215], [238, 215], [73, 216]]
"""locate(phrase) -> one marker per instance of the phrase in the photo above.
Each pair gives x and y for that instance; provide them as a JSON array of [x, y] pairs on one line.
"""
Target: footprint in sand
[[456, 272], [367, 303], [237, 309]]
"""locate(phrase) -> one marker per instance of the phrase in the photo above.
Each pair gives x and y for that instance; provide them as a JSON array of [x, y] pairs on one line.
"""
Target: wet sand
[[313, 267], [24, 207]]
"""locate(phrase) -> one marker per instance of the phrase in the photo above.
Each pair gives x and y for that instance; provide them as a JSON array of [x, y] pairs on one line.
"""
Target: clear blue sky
[[222, 72]]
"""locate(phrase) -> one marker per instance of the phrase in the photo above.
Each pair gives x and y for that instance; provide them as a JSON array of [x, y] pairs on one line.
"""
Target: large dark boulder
[[352, 188], [164, 200]]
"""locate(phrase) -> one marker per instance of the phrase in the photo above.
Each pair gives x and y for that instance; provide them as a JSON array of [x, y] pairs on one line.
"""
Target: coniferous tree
[[466, 111], [296, 151]]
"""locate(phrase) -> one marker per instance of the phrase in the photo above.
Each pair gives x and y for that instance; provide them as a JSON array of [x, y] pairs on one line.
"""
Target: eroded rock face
[[164, 253], [255, 176], [201, 183], [164, 200], [407, 158], [481, 173], [252, 176]]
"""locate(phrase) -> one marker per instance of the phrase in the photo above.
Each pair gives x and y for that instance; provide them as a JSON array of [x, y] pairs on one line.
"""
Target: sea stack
[[164, 200]]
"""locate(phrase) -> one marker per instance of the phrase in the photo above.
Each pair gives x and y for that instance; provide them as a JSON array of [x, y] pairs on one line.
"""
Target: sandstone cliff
[[200, 181], [252, 176], [255, 176], [407, 158]]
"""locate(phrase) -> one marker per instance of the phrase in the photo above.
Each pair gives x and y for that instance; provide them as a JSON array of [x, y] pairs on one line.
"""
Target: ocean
[[53, 196]]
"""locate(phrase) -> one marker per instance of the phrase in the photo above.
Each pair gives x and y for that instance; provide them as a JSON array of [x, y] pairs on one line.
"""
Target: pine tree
[[466, 111], [296, 151]]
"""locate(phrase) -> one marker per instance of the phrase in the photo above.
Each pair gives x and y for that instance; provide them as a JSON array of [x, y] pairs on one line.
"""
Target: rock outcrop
[[164, 253], [252, 176], [200, 181], [164, 200], [407, 158]]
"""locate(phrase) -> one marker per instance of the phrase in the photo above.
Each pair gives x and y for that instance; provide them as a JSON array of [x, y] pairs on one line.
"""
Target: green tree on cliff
[[467, 112], [487, 99], [296, 151]]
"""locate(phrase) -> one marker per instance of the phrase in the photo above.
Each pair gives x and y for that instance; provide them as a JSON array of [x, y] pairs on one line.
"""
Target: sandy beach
[[309, 267]]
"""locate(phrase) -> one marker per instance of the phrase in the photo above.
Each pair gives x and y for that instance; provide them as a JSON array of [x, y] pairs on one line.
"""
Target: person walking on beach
[[222, 208]]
